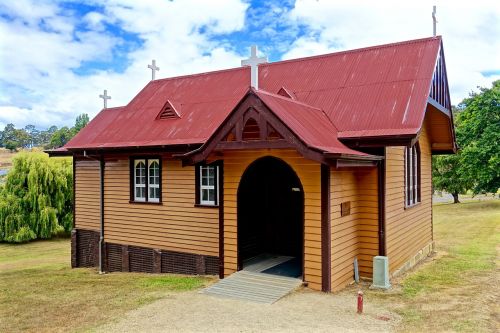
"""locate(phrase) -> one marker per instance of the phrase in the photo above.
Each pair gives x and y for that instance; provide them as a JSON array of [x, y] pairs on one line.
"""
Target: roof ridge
[[360, 49], [411, 41]]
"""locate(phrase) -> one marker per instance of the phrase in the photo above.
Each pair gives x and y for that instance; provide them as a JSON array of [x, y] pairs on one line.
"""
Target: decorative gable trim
[[168, 111], [439, 91], [252, 110]]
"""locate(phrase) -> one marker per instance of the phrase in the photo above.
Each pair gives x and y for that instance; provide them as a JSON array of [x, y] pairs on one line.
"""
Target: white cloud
[[40, 46], [37, 59], [471, 32]]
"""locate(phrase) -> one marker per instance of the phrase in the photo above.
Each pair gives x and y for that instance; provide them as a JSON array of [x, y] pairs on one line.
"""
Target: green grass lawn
[[39, 292], [458, 290]]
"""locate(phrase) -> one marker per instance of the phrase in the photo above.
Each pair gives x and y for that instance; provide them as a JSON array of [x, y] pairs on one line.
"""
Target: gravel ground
[[301, 311]]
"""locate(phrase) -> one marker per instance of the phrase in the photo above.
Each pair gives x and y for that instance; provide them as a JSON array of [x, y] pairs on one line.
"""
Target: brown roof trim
[[58, 152], [439, 107], [134, 150], [378, 141]]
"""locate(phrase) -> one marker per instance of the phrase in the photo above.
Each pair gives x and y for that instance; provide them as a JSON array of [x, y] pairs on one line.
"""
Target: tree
[[81, 121], [476, 166], [33, 134], [447, 175], [9, 137], [478, 135], [22, 138], [36, 201], [60, 137]]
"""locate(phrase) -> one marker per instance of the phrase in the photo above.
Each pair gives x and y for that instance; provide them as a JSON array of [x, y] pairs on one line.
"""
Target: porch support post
[[221, 218], [326, 236], [381, 207]]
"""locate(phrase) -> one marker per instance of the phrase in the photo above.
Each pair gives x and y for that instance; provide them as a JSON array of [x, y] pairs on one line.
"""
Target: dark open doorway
[[271, 217]]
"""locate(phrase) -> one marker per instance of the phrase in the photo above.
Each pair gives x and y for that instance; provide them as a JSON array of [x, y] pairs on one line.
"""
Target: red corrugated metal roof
[[374, 91], [310, 124]]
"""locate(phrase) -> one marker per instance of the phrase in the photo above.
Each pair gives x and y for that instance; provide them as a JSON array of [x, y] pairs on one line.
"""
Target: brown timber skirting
[[84, 248], [124, 258]]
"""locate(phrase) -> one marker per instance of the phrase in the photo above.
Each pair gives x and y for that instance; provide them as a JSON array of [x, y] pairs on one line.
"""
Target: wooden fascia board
[[439, 107]]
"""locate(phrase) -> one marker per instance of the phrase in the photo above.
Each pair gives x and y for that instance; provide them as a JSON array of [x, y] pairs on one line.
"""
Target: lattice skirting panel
[[84, 248], [127, 258]]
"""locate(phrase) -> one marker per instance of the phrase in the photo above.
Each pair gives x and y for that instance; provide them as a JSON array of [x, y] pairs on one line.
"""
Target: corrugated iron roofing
[[311, 125], [374, 91]]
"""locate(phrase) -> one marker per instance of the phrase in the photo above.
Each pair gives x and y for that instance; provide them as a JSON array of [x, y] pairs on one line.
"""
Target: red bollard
[[360, 302]]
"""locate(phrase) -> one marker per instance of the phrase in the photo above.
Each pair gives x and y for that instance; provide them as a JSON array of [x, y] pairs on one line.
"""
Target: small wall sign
[[345, 208]]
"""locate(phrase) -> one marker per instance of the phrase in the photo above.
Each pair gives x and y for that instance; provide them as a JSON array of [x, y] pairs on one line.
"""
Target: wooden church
[[323, 161]]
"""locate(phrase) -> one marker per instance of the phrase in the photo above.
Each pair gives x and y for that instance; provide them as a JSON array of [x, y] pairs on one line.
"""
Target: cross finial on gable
[[153, 69], [254, 62], [105, 97], [434, 21]]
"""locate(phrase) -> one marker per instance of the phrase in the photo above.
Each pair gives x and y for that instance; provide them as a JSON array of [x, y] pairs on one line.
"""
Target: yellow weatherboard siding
[[354, 235], [87, 195], [175, 225], [407, 229]]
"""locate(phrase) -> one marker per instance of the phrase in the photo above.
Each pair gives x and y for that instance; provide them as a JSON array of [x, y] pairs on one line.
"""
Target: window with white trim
[[154, 180], [412, 175], [140, 180], [146, 178], [207, 184]]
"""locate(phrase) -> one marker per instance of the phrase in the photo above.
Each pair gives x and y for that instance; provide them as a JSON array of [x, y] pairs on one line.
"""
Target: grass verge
[[39, 292], [459, 289]]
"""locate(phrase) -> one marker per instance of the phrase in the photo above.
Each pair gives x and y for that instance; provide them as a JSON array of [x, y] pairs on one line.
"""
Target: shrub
[[36, 201]]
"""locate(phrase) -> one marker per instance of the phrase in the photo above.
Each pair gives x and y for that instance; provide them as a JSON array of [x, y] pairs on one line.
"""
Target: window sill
[[145, 203], [414, 205], [206, 206]]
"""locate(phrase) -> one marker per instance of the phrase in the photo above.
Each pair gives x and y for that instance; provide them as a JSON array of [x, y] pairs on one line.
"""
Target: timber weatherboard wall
[[408, 230], [356, 234], [87, 197], [309, 173], [176, 224]]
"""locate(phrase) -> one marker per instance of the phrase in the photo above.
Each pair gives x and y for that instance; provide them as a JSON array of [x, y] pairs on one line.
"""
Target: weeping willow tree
[[36, 201]]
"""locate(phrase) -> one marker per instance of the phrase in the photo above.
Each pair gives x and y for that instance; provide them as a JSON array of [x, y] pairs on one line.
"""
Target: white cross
[[254, 62], [105, 97], [434, 21], [153, 69]]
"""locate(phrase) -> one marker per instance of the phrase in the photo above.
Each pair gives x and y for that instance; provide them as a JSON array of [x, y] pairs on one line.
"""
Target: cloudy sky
[[56, 57]]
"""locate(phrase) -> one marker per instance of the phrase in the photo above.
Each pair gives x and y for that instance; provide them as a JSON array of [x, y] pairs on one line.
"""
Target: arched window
[[154, 181], [140, 180], [412, 175], [145, 180]]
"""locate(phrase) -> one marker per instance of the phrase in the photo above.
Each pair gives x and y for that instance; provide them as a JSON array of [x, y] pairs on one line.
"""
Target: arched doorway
[[271, 216]]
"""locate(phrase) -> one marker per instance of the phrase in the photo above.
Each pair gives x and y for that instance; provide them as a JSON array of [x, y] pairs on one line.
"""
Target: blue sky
[[56, 57]]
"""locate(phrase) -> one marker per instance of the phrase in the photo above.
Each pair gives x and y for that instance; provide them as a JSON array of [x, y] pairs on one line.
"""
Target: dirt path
[[302, 311]]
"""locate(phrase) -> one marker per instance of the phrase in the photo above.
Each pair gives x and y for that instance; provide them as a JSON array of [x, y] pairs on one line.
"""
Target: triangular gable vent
[[168, 112], [286, 93]]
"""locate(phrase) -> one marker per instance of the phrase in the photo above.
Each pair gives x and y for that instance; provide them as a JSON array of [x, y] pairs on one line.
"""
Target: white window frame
[[213, 187], [136, 186], [153, 186]]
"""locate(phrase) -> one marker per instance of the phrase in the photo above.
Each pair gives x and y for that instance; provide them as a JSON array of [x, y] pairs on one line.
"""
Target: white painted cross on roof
[[153, 69], [105, 97], [254, 62]]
